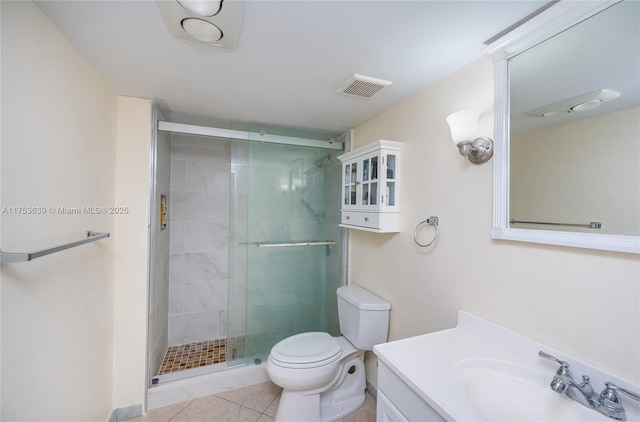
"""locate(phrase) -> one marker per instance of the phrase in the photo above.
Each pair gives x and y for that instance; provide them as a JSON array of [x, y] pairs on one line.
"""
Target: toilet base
[[335, 403]]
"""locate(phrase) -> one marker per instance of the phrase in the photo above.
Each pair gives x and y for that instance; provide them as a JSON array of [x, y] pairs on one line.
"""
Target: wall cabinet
[[370, 187]]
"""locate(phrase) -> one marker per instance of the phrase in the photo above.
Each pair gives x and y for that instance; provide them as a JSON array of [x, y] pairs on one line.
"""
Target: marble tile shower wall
[[199, 250]]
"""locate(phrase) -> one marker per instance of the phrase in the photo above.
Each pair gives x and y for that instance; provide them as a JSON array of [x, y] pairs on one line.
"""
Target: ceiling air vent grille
[[362, 86]]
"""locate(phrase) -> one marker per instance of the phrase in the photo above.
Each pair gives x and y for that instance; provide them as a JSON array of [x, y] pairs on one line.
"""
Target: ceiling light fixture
[[202, 7], [464, 126], [212, 22], [584, 102], [555, 113], [587, 105], [202, 30]]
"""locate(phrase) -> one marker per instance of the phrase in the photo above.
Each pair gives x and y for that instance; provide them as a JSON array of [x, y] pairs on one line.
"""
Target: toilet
[[322, 377]]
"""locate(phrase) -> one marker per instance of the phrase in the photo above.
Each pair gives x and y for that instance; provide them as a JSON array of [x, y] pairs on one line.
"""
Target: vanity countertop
[[429, 365]]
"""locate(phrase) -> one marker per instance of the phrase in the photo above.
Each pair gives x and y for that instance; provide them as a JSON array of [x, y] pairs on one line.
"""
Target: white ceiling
[[291, 57], [603, 52]]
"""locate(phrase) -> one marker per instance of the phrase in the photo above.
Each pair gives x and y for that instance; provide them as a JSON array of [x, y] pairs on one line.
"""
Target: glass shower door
[[285, 296], [292, 244]]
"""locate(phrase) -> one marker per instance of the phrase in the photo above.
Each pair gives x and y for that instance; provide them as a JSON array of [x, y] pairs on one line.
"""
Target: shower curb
[[205, 385]]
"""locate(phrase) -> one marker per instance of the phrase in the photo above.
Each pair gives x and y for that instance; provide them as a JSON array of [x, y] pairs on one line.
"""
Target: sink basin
[[479, 371], [502, 391]]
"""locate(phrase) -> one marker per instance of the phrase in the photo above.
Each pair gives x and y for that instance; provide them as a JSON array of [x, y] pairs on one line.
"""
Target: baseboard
[[371, 389], [124, 413]]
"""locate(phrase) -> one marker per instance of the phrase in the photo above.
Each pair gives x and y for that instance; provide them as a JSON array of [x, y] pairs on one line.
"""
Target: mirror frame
[[545, 25]]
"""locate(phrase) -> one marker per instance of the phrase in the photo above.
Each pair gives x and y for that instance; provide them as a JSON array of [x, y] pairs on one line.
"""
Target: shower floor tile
[[193, 355]]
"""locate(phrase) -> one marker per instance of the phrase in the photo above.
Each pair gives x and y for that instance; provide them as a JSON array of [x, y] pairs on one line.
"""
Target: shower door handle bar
[[7, 257], [591, 225], [284, 245], [290, 244]]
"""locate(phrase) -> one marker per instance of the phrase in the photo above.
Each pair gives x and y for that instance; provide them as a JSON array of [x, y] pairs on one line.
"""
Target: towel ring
[[431, 220]]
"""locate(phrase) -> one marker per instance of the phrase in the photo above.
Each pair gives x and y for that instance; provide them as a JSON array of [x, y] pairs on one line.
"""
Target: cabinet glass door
[[347, 183], [354, 180], [365, 182], [390, 195], [350, 179], [373, 194]]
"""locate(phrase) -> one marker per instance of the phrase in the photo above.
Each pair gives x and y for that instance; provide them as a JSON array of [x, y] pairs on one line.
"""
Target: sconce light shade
[[464, 126]]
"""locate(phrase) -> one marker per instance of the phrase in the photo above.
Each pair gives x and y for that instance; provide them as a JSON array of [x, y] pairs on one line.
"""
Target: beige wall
[[58, 144], [74, 324], [131, 270], [577, 172], [583, 302]]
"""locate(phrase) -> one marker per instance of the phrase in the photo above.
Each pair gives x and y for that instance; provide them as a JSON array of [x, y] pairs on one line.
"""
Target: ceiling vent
[[362, 86]]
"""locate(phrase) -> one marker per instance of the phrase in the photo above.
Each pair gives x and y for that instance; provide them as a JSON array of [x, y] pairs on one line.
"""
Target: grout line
[[271, 402], [241, 405], [181, 410]]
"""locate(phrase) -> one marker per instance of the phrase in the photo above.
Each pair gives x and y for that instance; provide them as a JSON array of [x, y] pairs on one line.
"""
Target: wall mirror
[[567, 127]]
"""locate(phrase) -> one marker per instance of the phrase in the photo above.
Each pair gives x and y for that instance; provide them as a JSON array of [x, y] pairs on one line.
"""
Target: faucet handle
[[610, 391], [564, 366], [586, 387], [610, 402]]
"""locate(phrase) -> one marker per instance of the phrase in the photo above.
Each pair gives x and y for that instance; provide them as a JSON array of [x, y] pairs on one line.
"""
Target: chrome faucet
[[606, 402]]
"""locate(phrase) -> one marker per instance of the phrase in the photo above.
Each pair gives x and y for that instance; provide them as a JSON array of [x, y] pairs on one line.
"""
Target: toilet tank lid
[[363, 299]]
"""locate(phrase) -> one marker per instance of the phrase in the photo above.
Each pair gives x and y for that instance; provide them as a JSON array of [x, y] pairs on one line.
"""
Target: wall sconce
[[464, 126]]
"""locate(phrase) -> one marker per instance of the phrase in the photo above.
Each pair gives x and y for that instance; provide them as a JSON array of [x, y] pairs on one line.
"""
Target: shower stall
[[246, 250]]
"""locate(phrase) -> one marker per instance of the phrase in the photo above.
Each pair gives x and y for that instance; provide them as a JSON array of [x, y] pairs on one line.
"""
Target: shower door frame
[[159, 125], [240, 135]]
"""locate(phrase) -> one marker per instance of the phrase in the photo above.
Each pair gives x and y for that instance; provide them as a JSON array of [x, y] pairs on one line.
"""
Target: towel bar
[[7, 257], [591, 225]]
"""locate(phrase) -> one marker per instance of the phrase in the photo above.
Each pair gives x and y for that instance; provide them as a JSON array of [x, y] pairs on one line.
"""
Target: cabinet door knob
[[357, 182], [366, 219], [348, 218]]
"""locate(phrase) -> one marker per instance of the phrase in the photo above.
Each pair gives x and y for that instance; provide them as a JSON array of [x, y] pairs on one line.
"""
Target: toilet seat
[[306, 350]]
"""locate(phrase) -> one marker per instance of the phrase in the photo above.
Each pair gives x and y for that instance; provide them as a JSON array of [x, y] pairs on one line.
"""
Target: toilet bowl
[[323, 377]]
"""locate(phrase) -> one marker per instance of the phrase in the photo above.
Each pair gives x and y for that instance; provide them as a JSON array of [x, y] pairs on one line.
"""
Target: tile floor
[[256, 403]]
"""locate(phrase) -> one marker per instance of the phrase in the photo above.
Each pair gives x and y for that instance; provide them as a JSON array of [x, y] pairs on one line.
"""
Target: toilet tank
[[364, 317]]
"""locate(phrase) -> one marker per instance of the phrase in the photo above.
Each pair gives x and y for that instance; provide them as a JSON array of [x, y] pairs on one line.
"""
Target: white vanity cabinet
[[370, 187], [397, 402]]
